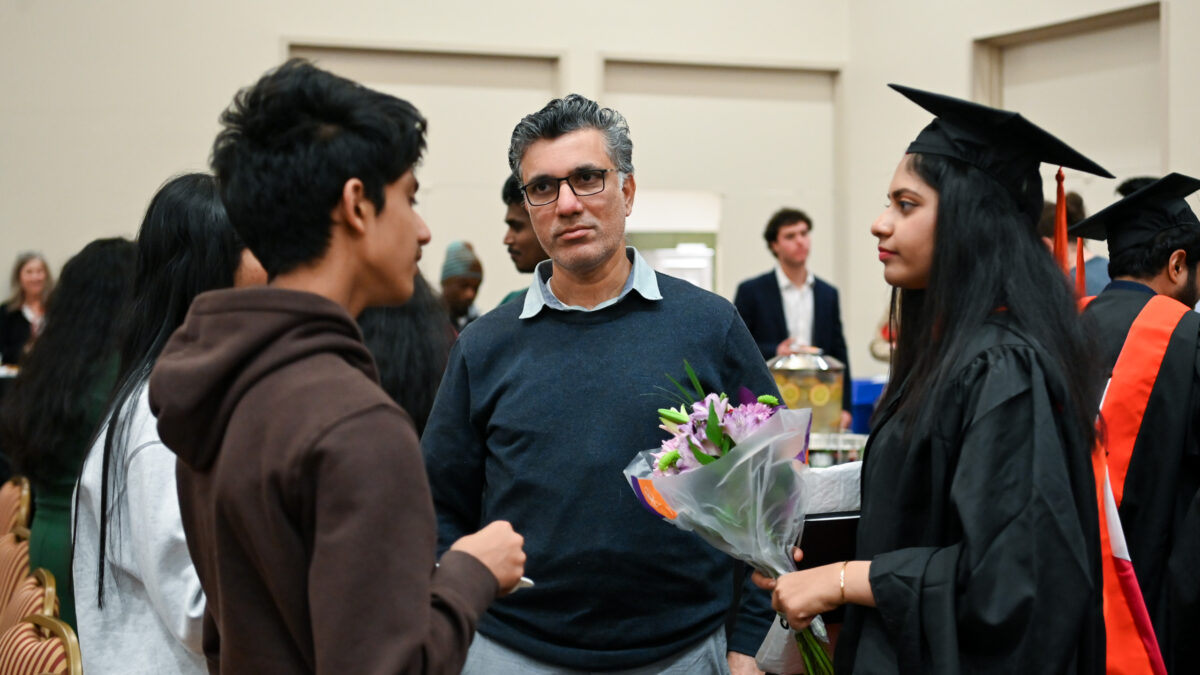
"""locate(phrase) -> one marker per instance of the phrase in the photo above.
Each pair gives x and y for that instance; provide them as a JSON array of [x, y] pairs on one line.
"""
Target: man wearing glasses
[[545, 401]]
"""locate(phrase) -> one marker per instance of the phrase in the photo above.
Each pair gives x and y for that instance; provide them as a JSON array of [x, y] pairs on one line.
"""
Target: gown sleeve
[[1014, 591]]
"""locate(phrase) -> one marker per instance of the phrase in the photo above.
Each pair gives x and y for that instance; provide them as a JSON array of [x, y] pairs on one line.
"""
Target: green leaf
[[713, 428], [668, 460], [768, 399], [672, 415], [687, 396], [701, 456], [687, 367]]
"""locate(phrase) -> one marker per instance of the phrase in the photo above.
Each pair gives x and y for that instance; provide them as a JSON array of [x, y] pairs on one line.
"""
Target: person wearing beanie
[[462, 274]]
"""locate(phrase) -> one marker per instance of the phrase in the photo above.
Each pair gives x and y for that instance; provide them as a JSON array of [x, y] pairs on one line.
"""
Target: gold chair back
[[15, 501], [14, 567], [35, 594], [39, 645]]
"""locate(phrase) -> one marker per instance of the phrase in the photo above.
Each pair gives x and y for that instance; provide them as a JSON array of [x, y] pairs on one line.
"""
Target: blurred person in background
[[1095, 267], [410, 343], [22, 318], [50, 416], [520, 239], [138, 600], [1132, 185], [790, 308], [462, 274]]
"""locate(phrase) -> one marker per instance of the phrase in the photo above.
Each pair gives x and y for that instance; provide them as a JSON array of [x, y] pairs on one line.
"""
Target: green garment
[[50, 540], [512, 296], [50, 532]]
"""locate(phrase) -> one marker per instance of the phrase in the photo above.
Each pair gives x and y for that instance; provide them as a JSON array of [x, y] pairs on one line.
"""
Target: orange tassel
[[1060, 224], [1080, 272]]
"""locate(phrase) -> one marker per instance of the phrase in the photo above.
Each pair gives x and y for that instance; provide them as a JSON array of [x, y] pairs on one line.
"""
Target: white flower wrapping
[[749, 504]]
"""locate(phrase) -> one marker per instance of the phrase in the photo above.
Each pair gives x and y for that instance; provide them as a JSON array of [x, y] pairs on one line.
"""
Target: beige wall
[[103, 101]]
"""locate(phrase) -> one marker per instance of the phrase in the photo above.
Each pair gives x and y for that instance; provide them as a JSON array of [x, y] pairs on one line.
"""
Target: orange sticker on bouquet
[[656, 500]]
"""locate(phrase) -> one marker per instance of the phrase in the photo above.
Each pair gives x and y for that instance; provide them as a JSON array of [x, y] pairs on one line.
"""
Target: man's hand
[[788, 346], [742, 664], [500, 549]]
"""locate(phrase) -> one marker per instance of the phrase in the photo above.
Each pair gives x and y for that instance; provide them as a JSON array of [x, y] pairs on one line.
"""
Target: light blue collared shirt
[[641, 279]]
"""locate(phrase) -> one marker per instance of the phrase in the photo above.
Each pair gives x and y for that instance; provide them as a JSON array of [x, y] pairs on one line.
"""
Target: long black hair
[[186, 246], [987, 257], [51, 413], [411, 345]]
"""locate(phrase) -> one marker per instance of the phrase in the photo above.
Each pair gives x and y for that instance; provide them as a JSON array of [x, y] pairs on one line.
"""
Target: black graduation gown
[[1160, 510], [982, 531]]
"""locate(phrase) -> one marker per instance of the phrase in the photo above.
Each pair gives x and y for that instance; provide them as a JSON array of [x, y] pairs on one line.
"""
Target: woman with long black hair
[[978, 546], [138, 600], [51, 414]]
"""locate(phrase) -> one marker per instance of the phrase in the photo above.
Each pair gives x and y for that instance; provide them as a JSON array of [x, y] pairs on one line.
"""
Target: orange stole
[[1131, 644]]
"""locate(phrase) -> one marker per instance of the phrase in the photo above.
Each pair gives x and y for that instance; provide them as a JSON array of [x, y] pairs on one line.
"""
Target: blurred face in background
[[459, 293], [33, 279], [520, 239], [792, 243]]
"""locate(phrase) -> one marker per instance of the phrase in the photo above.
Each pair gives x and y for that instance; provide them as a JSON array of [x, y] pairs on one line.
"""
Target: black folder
[[828, 538]]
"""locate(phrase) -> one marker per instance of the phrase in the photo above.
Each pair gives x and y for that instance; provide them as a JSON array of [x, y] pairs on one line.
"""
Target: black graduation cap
[[1135, 219], [1002, 144]]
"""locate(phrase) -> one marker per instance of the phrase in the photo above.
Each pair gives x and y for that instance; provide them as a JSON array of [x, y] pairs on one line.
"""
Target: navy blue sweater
[[534, 423]]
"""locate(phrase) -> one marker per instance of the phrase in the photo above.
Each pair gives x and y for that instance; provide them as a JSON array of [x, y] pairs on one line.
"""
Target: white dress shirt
[[797, 305]]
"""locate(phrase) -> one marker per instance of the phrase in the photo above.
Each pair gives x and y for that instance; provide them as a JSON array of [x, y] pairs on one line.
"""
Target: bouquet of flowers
[[732, 474]]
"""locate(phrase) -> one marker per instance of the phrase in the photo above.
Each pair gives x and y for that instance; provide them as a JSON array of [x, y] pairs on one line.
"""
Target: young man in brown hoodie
[[301, 484]]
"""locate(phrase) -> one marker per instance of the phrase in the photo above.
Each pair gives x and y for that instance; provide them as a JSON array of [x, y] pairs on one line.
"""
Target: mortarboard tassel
[[1080, 272], [1060, 224]]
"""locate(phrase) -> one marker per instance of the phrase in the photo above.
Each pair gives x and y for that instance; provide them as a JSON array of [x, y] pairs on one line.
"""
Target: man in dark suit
[[789, 307]]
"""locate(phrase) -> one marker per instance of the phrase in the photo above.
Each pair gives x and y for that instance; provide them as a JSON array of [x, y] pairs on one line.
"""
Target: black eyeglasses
[[583, 183]]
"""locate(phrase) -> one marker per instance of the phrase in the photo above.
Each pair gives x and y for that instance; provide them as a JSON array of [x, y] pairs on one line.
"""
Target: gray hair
[[18, 298], [571, 113]]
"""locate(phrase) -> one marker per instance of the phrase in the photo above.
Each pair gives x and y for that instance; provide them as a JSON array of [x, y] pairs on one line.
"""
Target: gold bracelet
[[843, 580]]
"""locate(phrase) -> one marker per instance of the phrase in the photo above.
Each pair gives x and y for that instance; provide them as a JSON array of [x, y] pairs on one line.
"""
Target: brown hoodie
[[304, 496]]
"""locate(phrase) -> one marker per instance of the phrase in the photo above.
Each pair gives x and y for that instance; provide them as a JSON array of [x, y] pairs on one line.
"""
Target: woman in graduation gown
[[978, 546]]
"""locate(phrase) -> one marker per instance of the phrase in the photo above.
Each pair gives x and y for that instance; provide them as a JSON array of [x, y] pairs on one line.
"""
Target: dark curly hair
[[289, 145], [782, 218], [512, 194], [1147, 260]]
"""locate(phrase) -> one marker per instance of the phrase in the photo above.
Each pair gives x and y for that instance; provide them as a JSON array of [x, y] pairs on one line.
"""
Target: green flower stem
[[816, 659]]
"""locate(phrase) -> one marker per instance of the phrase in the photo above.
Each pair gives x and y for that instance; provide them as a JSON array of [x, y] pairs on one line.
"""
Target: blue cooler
[[863, 396]]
